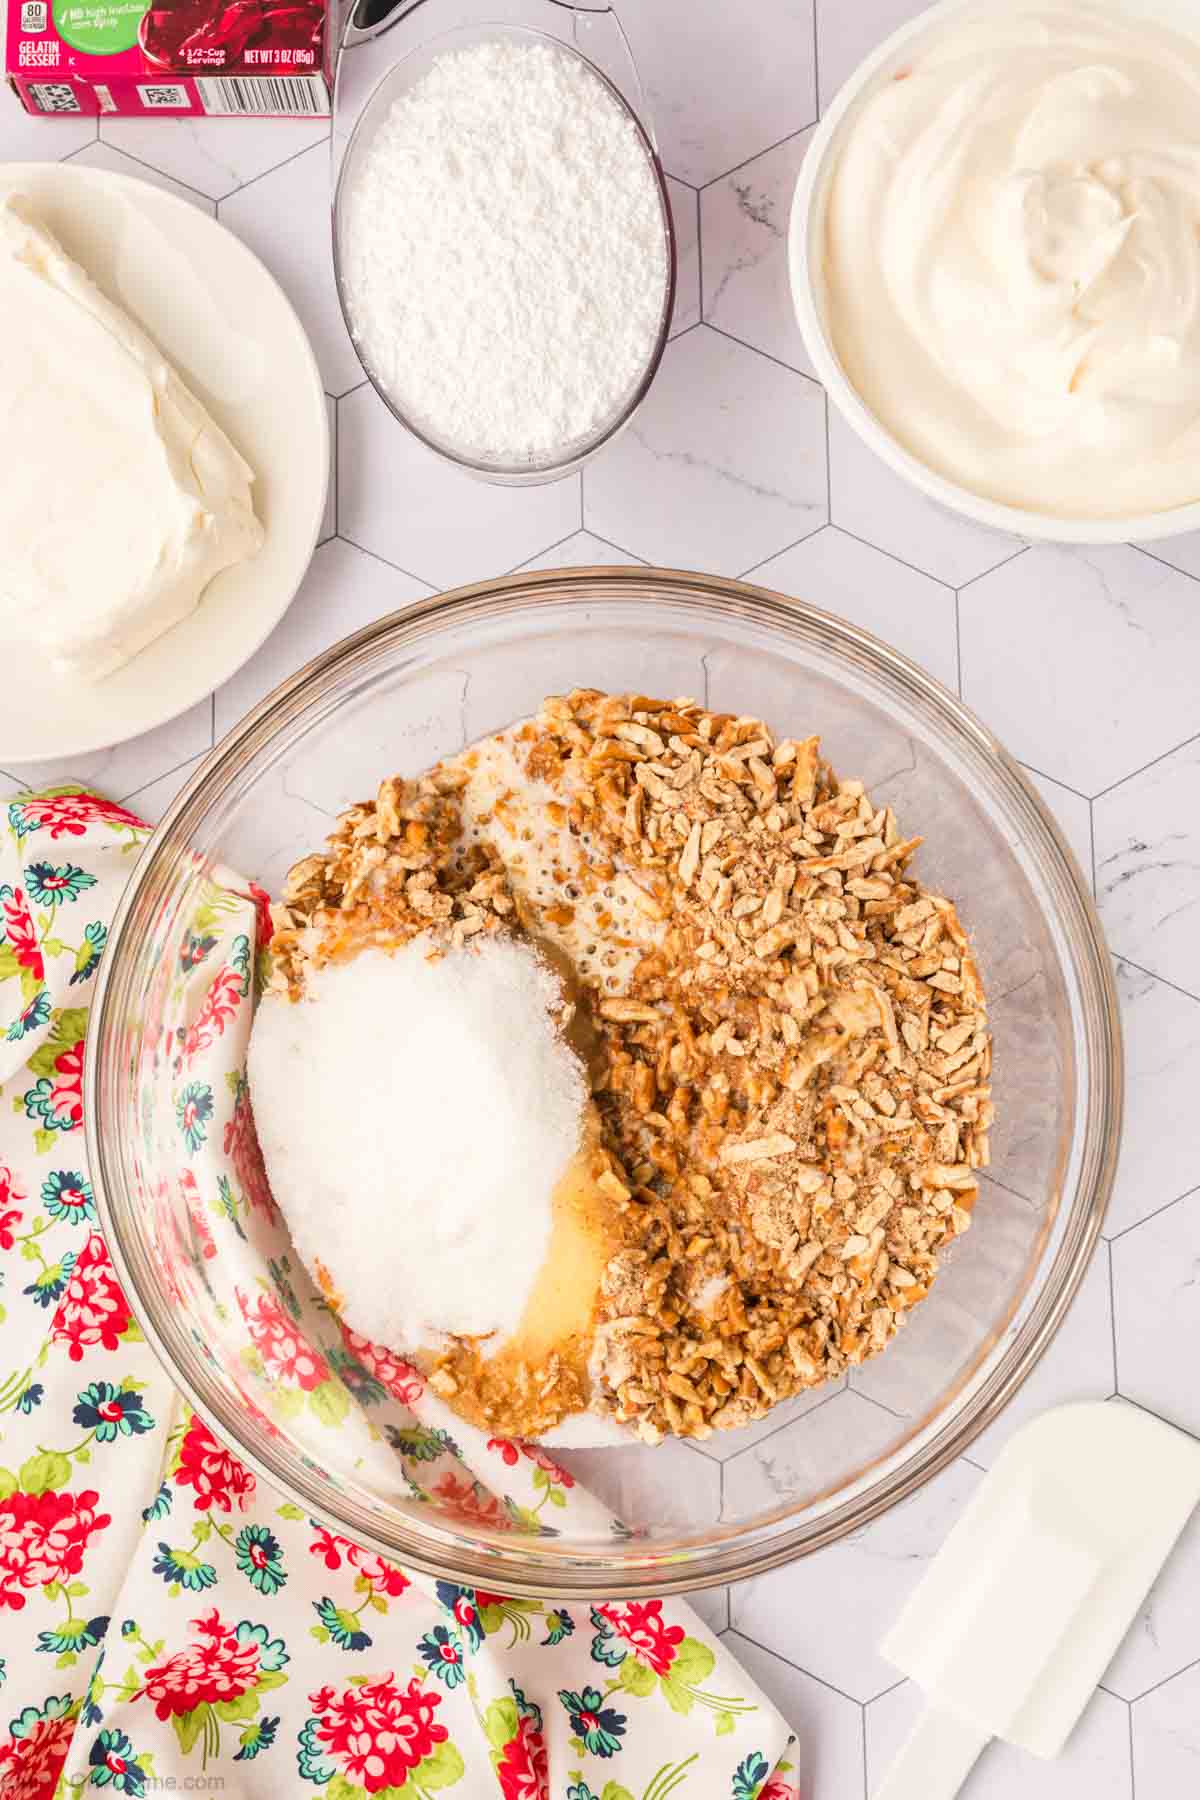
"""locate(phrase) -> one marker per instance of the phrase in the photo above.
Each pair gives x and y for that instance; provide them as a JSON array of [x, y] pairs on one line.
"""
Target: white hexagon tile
[[1084, 662]]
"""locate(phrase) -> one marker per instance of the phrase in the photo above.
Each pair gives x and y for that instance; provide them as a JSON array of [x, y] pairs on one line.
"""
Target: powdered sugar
[[505, 253], [415, 1117]]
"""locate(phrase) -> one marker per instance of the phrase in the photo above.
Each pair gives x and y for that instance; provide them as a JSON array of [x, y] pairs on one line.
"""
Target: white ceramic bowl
[[806, 259]]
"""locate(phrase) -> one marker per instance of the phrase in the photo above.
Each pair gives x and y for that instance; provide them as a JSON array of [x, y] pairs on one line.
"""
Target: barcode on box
[[263, 93], [163, 95], [54, 97]]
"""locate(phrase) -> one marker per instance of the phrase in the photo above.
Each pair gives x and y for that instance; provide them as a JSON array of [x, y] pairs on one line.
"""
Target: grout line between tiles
[[1163, 563], [756, 349], [723, 1462], [1092, 844], [816, 60], [1055, 780], [775, 554], [1112, 1315], [1002, 564], [163, 774], [958, 645], [253, 180], [1173, 1676], [435, 586], [766, 150], [1116, 1236], [1175, 1426], [700, 252], [903, 561], [1152, 764], [736, 1631], [1129, 962], [120, 150]]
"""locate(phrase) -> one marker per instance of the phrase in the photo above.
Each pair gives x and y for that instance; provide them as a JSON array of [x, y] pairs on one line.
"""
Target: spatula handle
[[935, 1760]]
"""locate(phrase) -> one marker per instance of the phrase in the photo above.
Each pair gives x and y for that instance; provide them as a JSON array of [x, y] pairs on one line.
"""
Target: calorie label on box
[[226, 58]]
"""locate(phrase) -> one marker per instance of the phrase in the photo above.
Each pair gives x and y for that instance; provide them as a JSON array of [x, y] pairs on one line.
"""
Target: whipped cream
[[124, 498], [1012, 261]]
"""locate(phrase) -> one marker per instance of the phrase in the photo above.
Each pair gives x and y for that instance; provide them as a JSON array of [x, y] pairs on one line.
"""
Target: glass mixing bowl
[[416, 686]]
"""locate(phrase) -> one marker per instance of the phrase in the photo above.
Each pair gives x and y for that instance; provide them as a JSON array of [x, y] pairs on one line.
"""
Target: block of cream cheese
[[121, 498]]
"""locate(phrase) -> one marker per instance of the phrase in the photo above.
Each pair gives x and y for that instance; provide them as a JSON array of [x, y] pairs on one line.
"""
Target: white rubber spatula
[[1024, 1605]]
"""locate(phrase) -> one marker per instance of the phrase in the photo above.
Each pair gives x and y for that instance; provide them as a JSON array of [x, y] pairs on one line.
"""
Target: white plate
[[225, 324]]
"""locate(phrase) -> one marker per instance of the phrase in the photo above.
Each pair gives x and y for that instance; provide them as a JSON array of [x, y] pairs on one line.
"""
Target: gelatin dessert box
[[233, 57]]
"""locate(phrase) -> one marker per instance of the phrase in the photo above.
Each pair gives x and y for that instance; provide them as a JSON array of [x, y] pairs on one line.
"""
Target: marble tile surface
[[1084, 662]]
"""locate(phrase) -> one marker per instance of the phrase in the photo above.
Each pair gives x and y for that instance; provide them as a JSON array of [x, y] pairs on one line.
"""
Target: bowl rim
[[539, 1570], [508, 472], [804, 272]]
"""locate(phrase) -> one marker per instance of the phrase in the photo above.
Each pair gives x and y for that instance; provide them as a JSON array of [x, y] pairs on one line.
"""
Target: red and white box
[[233, 58]]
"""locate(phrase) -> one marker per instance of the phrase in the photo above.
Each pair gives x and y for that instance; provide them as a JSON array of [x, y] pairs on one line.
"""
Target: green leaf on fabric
[[269, 1678], [75, 1590], [31, 985], [501, 1722], [43, 1141], [83, 1454], [46, 1471], [679, 1699], [288, 1511], [724, 1722], [693, 1662], [330, 1402], [341, 1789], [612, 1790], [557, 1497], [8, 962], [319, 1632], [243, 1706], [189, 1725], [53, 947], [8, 1483], [636, 1678], [441, 1769], [286, 1402], [67, 1660]]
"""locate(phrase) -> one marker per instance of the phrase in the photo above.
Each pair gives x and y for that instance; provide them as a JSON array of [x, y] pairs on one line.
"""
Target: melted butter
[[539, 1375]]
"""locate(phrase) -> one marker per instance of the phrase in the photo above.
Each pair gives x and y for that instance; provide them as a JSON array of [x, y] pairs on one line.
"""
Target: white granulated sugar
[[504, 251], [415, 1117]]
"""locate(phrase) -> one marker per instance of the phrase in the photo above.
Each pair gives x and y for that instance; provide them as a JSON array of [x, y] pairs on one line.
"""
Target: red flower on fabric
[[242, 1146], [467, 1501], [286, 1354], [509, 1450], [524, 1771], [22, 932], [66, 1093], [379, 1732], [384, 1578], [43, 1538], [219, 1667], [402, 1381], [778, 1787], [262, 914], [32, 1759], [11, 1192], [71, 813], [93, 1310], [201, 1228], [220, 1005], [641, 1624], [216, 1474]]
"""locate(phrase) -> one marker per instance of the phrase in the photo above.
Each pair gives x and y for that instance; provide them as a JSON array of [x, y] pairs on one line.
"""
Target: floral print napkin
[[166, 1619]]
